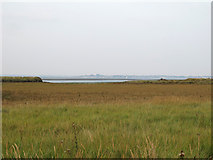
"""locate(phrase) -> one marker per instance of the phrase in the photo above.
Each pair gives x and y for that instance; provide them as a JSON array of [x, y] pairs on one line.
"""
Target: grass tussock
[[42, 120]]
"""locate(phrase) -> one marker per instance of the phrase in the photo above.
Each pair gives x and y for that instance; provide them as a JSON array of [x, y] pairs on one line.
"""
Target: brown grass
[[46, 93]]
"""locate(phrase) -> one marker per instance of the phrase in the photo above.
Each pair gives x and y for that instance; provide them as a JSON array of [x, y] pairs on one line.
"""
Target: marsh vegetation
[[106, 120], [20, 79]]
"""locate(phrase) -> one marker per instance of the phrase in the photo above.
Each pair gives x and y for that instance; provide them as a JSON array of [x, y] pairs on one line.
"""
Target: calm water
[[83, 81]]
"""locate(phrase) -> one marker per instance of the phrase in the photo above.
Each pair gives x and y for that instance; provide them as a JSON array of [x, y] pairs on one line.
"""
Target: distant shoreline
[[20, 79], [107, 80]]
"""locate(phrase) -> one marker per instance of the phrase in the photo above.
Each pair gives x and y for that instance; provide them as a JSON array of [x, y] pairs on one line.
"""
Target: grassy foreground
[[106, 120]]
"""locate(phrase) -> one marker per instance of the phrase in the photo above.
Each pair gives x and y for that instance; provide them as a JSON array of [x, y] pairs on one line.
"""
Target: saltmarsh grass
[[20, 79], [106, 120]]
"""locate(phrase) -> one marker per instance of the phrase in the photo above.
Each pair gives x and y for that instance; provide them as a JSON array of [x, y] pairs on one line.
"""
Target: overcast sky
[[106, 38]]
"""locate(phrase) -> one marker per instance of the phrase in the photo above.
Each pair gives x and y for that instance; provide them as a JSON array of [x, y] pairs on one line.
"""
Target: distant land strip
[[126, 80], [20, 79]]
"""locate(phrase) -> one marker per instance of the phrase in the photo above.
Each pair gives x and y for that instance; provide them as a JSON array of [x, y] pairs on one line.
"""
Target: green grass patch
[[104, 131]]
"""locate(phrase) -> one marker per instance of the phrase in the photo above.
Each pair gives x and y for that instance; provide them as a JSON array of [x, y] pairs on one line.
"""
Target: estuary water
[[84, 81], [108, 79]]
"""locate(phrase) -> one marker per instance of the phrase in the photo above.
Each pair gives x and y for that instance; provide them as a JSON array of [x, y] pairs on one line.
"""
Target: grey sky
[[106, 38]]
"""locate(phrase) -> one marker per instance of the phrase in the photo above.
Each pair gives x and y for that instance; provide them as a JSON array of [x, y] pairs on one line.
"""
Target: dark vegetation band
[[20, 79]]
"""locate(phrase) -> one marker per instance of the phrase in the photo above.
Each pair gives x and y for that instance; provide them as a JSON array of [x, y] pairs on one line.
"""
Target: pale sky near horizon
[[107, 38]]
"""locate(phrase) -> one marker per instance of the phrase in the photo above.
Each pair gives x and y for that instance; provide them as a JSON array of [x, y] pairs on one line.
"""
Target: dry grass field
[[106, 120]]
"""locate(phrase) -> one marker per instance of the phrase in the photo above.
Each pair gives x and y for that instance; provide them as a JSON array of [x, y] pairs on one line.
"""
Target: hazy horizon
[[107, 38], [154, 75]]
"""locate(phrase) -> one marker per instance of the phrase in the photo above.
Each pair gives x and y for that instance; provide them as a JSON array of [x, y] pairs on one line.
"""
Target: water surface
[[84, 81]]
